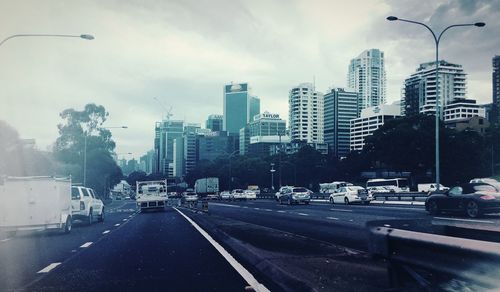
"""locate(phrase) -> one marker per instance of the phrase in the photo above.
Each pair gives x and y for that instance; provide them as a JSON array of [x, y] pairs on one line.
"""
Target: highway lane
[[153, 251], [23, 255]]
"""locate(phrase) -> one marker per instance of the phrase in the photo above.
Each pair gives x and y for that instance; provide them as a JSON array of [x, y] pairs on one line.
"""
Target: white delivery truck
[[35, 203], [151, 194], [207, 187], [431, 187]]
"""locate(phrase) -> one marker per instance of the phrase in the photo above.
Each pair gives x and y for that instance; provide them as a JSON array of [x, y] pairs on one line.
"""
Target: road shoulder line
[[249, 278]]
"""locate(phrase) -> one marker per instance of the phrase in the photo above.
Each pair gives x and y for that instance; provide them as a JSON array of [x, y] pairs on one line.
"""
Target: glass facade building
[[239, 107]]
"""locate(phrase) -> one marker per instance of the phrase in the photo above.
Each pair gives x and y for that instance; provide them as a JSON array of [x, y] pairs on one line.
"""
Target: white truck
[[35, 203], [151, 194], [207, 187]]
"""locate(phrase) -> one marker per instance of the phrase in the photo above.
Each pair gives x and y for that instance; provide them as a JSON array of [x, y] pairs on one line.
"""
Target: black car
[[473, 200]]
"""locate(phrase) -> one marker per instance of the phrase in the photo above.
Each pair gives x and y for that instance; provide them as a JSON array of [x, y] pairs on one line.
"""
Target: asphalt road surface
[[154, 251], [262, 244]]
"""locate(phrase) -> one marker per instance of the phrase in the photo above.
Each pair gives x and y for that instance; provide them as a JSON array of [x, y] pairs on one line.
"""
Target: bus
[[393, 184]]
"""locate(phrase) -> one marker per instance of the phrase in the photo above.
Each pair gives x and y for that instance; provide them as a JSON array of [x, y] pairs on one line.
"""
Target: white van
[[35, 203]]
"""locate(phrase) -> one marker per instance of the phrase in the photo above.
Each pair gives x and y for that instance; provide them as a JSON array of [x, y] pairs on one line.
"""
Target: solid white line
[[117, 224], [249, 278], [341, 210], [86, 244], [332, 218], [48, 268], [465, 220], [107, 231], [5, 240], [303, 214]]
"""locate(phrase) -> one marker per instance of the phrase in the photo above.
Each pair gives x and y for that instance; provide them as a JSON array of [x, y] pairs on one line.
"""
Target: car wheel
[[90, 218], [281, 201], [68, 225], [331, 201], [101, 217], [306, 202], [472, 209], [346, 201], [433, 208]]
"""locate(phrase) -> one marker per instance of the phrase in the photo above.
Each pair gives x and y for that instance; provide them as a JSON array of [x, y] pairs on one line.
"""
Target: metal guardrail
[[431, 260], [401, 196]]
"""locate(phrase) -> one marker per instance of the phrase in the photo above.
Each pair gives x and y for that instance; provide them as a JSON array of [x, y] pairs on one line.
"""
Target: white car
[[238, 194], [85, 205], [350, 194], [281, 192], [226, 195], [190, 197], [250, 195]]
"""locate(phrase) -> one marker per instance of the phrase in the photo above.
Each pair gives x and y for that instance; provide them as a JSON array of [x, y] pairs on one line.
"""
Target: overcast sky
[[183, 52]]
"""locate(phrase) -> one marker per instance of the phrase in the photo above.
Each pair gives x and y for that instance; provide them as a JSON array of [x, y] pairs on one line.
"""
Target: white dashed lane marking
[[117, 224], [341, 210], [303, 214], [332, 218], [5, 240], [281, 211], [86, 244], [105, 232], [48, 268]]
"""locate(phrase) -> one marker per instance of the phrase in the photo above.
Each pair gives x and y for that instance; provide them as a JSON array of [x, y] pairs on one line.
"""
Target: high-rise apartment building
[[341, 106], [165, 134], [420, 87], [306, 114], [366, 75], [496, 89], [215, 123], [239, 107]]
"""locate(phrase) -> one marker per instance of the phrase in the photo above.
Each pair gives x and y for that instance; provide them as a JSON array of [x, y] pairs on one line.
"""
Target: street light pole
[[230, 168], [82, 36], [272, 176], [437, 39]]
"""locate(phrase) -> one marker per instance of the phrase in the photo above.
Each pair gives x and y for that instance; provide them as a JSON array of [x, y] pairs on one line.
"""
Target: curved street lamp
[[437, 39], [82, 36]]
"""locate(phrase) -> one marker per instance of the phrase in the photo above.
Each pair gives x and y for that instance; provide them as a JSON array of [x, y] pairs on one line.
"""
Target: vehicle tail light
[[82, 205], [487, 197]]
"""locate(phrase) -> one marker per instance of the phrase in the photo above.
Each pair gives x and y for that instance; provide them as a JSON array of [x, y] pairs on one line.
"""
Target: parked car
[[351, 194], [490, 181], [226, 195], [85, 205], [295, 196], [281, 192], [250, 195], [238, 194], [472, 199], [190, 197]]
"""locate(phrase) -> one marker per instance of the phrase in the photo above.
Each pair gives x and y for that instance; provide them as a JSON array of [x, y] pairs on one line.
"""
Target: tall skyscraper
[[367, 77], [341, 106], [165, 133], [420, 87], [306, 114], [496, 89], [215, 123], [239, 107]]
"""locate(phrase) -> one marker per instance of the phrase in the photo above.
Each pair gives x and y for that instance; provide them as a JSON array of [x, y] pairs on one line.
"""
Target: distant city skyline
[[183, 52]]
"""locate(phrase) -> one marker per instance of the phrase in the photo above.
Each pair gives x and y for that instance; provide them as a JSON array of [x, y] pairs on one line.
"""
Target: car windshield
[[256, 145]]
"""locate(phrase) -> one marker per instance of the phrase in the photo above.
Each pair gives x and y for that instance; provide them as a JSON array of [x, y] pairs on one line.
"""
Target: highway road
[[316, 247]]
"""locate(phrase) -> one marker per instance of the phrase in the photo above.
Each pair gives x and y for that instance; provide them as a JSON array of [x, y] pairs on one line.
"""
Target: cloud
[[183, 52]]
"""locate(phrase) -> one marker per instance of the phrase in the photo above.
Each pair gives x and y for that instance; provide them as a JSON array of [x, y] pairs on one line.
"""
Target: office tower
[[341, 106], [165, 133], [239, 107], [215, 123], [306, 114]]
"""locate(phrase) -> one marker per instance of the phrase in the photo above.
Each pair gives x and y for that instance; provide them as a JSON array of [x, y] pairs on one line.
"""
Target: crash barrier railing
[[199, 205], [413, 196], [430, 259]]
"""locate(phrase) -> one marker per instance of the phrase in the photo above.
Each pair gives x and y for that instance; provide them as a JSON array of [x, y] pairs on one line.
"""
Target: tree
[[78, 126]]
